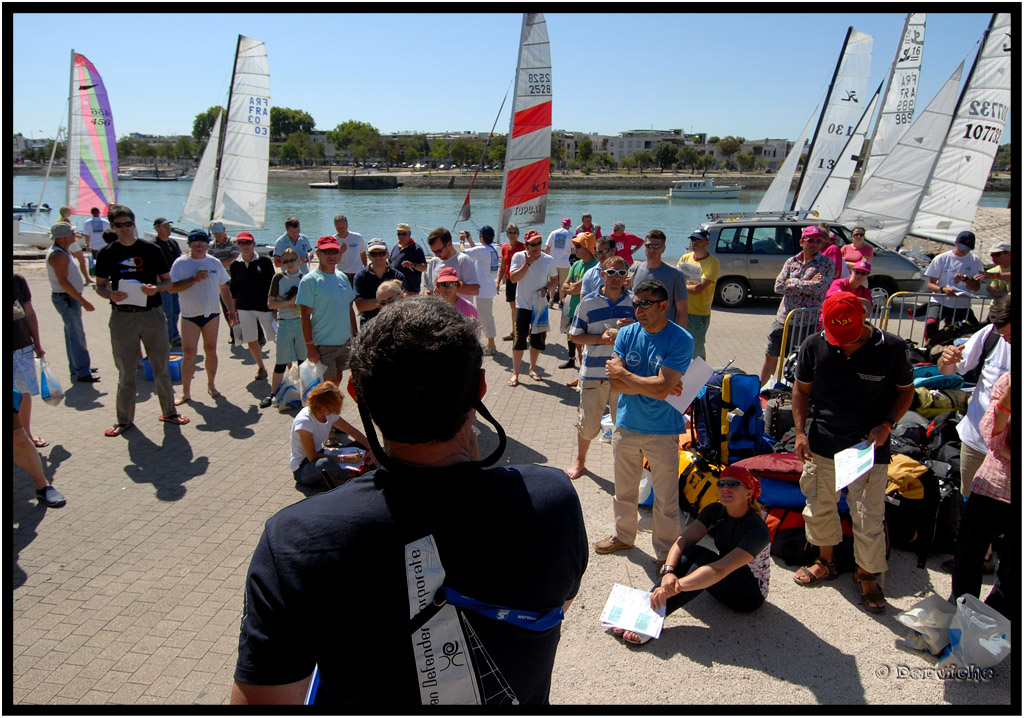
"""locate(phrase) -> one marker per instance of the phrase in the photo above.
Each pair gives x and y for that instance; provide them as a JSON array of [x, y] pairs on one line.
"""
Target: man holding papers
[[649, 360], [860, 383]]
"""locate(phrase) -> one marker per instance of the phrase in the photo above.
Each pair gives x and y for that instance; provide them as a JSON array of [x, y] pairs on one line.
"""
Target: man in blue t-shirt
[[328, 321], [648, 363]]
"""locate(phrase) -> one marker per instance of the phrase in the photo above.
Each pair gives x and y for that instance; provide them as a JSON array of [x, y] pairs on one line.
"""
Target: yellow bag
[[697, 482]]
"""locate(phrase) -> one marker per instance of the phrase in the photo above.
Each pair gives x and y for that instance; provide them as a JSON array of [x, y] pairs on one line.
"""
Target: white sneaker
[[275, 402]]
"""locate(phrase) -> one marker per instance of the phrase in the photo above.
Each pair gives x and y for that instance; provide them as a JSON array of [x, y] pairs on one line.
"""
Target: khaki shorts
[[595, 395], [335, 357], [247, 319]]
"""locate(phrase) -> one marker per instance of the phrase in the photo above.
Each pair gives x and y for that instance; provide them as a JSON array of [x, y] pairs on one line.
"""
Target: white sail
[[198, 207], [885, 204], [965, 161], [242, 181], [774, 199], [900, 96], [832, 197], [524, 189], [843, 109]]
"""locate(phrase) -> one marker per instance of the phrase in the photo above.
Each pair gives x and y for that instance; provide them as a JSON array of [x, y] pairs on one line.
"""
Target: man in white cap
[[67, 285], [369, 278], [997, 279]]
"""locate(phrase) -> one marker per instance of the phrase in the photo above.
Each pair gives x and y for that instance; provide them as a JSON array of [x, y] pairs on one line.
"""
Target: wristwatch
[[667, 568], [891, 423]]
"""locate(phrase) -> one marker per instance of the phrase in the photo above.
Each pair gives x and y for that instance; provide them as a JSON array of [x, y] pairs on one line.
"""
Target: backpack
[[929, 403], [947, 522], [911, 506], [972, 376], [697, 482], [778, 416], [728, 422]]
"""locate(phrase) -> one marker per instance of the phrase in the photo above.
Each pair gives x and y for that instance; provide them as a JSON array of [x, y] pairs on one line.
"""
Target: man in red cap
[[859, 382], [328, 321]]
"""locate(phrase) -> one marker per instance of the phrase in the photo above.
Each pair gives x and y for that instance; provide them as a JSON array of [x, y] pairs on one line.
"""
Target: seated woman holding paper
[[737, 573], [311, 459]]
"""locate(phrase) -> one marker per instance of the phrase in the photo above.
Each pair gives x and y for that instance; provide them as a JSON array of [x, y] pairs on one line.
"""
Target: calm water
[[375, 214]]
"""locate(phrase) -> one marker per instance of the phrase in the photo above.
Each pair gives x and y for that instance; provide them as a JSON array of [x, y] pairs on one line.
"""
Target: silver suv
[[752, 250]]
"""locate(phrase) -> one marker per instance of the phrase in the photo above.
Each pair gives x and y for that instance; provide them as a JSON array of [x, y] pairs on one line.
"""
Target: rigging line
[[483, 154]]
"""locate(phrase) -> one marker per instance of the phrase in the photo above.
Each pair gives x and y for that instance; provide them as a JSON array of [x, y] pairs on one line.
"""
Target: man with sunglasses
[[328, 320], [369, 278], [701, 293], [251, 276], [595, 325], [135, 260], [585, 246], [535, 277], [446, 255], [997, 279], [592, 278], [293, 238], [670, 277], [647, 365], [407, 257], [802, 282]]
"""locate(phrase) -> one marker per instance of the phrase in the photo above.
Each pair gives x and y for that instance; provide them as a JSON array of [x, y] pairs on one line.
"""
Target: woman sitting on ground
[[737, 573], [311, 428]]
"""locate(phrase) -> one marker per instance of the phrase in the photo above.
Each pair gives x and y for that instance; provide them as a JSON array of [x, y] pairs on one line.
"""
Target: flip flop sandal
[[513, 382], [116, 430], [830, 572], [175, 419], [40, 443], [872, 596], [641, 639], [535, 376]]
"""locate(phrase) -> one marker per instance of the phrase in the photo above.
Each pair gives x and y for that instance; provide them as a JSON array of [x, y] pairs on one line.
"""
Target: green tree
[[360, 138], [706, 162], [604, 160], [167, 151], [284, 121], [713, 140], [628, 163], [439, 151], [746, 161], [125, 148], [643, 159], [585, 151], [465, 150], [496, 151], [665, 153], [298, 148], [204, 122], [184, 148], [727, 147], [557, 152], [688, 157]]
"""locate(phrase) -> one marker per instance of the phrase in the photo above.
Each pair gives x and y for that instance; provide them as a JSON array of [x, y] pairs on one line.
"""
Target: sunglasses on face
[[534, 244], [447, 285], [289, 261], [814, 240], [330, 251], [654, 246], [604, 251], [729, 483], [858, 234], [385, 302], [243, 243], [645, 303], [123, 225], [403, 234], [378, 254], [616, 272], [861, 272]]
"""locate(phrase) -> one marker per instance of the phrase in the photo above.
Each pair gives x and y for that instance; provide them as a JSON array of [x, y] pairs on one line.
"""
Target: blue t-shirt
[[329, 297], [301, 246], [644, 354]]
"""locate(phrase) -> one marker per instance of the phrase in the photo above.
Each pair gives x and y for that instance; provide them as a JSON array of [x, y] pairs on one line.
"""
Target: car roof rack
[[726, 216]]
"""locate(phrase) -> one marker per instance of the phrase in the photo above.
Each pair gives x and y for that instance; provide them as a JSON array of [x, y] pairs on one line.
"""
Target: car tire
[[731, 292], [878, 285]]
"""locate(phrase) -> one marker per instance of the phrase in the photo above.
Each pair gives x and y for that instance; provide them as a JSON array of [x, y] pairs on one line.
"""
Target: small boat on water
[[156, 175], [703, 188], [29, 207]]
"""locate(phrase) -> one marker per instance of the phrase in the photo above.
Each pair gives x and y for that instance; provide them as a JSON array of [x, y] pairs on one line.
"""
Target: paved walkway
[[132, 593]]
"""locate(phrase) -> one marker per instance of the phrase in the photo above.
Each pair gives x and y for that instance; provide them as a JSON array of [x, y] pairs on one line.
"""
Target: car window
[[732, 240], [772, 240]]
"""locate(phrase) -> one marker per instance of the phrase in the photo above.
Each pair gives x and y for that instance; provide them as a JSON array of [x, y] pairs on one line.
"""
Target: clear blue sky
[[745, 74]]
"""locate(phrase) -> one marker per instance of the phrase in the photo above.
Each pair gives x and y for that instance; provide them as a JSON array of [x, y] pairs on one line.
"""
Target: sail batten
[[524, 190], [92, 144]]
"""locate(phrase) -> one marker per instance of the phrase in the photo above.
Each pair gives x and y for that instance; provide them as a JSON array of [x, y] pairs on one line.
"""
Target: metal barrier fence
[[905, 316]]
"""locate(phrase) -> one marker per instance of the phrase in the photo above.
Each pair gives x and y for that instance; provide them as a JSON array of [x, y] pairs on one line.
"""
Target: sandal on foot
[[175, 419], [514, 381], [40, 443], [867, 598], [637, 639], [535, 376], [830, 572], [116, 430], [214, 394]]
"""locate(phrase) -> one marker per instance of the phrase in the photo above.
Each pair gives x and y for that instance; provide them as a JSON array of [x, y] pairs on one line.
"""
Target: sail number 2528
[[539, 83]]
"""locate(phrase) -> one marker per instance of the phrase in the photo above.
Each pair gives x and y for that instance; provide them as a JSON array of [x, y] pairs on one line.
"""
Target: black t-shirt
[[250, 283], [366, 282], [414, 254], [170, 249], [22, 296], [327, 582], [852, 395], [142, 261], [749, 532]]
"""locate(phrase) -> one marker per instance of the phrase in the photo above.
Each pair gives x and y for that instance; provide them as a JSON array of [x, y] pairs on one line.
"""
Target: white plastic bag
[[979, 636], [310, 375], [646, 496], [930, 618], [49, 386], [607, 426], [288, 394]]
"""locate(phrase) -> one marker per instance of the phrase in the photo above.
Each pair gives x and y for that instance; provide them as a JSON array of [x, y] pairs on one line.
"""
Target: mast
[[67, 138], [224, 130], [828, 96]]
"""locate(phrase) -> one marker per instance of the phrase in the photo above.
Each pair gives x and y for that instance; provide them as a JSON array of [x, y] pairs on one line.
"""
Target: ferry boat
[[703, 188]]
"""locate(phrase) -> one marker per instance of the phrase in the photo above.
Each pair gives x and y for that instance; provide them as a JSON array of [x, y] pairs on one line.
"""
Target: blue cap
[[487, 231], [198, 234]]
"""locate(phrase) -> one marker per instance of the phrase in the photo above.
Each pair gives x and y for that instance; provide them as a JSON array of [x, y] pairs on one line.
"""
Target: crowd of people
[[354, 306]]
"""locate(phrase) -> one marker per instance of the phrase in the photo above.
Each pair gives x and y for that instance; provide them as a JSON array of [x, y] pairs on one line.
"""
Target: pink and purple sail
[[92, 146]]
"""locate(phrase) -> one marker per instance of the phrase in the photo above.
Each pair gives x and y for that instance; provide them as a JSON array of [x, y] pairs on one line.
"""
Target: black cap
[[160, 220], [966, 237]]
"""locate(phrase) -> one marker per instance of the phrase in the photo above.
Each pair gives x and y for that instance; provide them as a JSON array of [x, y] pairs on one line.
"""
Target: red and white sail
[[524, 190]]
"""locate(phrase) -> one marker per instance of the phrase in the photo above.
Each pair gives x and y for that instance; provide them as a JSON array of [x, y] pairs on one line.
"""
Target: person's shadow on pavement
[[167, 466]]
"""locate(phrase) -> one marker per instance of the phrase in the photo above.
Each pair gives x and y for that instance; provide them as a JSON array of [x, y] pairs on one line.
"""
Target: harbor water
[[375, 213]]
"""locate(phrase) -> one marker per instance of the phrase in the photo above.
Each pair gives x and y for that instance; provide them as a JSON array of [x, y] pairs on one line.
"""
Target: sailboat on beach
[[91, 150], [230, 185]]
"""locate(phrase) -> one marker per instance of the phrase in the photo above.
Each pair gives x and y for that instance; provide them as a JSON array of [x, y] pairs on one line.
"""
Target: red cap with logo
[[843, 317], [328, 241]]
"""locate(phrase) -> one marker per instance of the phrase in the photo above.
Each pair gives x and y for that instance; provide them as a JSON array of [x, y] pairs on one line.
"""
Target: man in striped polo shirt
[[595, 324]]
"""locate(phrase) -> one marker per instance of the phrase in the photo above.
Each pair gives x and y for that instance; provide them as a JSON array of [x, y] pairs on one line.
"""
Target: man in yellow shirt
[[702, 292]]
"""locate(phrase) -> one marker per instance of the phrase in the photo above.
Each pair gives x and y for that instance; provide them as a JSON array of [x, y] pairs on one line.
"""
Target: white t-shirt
[[559, 246], [203, 298], [535, 279], [997, 364], [464, 266], [351, 262], [486, 258], [93, 227], [942, 269], [307, 422]]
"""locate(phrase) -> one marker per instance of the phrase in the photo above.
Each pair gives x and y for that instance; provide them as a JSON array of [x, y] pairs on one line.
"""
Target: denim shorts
[[25, 378]]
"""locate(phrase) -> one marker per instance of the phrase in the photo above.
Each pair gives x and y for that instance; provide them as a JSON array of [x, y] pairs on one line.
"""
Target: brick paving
[[132, 593]]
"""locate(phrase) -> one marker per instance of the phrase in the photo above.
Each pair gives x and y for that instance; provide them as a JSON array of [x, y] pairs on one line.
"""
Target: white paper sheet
[[133, 288], [853, 463], [697, 375], [691, 272], [630, 609]]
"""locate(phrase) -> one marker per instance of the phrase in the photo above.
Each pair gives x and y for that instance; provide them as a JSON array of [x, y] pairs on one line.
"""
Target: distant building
[[629, 143]]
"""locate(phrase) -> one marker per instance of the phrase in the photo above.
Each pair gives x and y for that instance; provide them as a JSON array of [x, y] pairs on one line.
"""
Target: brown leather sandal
[[866, 595], [830, 572]]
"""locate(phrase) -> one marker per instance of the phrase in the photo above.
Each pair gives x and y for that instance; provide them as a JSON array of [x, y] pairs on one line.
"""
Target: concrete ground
[[132, 593]]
